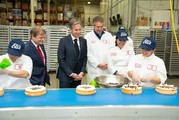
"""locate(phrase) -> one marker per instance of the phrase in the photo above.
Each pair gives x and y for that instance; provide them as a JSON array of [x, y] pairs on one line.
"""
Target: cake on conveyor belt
[[35, 90], [85, 90], [166, 89], [131, 89], [1, 91]]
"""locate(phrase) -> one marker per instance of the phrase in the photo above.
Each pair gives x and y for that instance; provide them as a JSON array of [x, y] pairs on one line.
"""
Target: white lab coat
[[148, 67], [130, 42], [97, 53], [118, 59], [10, 82]]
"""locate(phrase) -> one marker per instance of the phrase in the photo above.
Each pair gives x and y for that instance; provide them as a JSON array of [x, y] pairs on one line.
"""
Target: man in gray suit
[[72, 57]]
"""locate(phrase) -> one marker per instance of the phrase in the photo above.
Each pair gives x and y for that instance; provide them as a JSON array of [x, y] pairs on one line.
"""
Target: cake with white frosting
[[85, 90], [131, 89], [166, 89], [35, 90], [1, 91]]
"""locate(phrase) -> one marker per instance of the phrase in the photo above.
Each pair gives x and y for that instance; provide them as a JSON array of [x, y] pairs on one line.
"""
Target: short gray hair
[[73, 22], [98, 19]]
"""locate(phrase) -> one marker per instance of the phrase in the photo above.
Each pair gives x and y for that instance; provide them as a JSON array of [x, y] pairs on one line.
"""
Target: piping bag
[[5, 63]]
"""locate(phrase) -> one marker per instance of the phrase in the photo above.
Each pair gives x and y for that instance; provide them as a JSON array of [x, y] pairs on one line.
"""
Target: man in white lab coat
[[98, 42]]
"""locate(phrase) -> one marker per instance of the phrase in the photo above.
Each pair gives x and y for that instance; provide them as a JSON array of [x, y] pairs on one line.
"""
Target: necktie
[[40, 53], [76, 47]]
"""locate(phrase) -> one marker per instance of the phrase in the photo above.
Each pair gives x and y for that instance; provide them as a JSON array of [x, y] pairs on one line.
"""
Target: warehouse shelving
[[137, 36], [171, 55], [159, 36], [87, 29], [21, 32], [4, 39], [55, 33]]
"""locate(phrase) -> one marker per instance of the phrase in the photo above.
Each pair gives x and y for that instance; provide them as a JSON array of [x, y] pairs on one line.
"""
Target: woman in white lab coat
[[146, 69], [16, 74], [119, 56], [129, 41]]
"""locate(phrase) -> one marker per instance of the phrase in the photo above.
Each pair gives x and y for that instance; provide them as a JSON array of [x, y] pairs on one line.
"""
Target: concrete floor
[[54, 81]]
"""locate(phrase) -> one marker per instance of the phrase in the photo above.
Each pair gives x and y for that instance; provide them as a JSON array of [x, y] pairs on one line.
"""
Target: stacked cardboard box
[[142, 21]]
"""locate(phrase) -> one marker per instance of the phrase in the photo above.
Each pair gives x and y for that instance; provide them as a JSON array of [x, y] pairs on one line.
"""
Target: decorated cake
[[131, 89], [85, 90], [166, 89], [35, 90], [1, 91]]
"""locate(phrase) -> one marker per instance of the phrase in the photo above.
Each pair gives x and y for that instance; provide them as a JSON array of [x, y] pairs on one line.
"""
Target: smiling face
[[39, 39], [38, 35], [98, 27], [76, 30], [120, 43], [147, 53]]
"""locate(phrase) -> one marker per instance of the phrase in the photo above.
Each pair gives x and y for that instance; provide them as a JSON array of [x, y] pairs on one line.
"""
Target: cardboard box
[[142, 21], [25, 6]]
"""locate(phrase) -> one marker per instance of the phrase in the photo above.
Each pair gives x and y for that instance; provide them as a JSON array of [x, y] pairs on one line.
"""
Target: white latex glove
[[120, 74], [3, 71], [136, 78], [147, 78]]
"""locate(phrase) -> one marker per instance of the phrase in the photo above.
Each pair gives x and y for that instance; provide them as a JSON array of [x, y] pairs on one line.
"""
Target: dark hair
[[73, 22], [116, 42], [36, 30], [98, 19]]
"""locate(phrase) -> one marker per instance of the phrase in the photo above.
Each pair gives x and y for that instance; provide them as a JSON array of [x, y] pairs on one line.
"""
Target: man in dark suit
[[36, 51], [72, 57]]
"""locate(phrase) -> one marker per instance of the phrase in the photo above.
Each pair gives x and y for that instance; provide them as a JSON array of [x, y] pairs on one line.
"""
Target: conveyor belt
[[68, 97]]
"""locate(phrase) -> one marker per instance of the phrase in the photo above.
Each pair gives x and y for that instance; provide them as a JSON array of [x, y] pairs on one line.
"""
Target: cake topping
[[131, 89], [132, 86], [85, 87], [35, 88], [166, 89], [166, 86]]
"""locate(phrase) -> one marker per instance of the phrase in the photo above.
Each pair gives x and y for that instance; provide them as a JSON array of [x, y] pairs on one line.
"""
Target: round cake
[[85, 90], [1, 91], [166, 89], [35, 90], [131, 89]]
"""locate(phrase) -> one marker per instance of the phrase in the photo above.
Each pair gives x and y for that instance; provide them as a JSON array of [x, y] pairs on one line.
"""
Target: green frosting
[[5, 63]]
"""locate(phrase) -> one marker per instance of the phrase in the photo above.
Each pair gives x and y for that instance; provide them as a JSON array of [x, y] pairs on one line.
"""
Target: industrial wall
[[136, 12]]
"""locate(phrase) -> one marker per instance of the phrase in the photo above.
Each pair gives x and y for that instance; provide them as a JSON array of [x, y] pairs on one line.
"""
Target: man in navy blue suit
[[72, 57], [34, 48]]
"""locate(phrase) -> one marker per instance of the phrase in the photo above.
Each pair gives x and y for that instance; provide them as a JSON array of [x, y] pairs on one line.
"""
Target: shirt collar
[[74, 38], [34, 43], [99, 36], [150, 57]]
